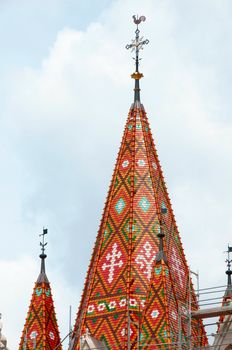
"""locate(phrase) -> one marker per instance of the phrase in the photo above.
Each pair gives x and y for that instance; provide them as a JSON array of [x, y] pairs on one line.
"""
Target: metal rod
[[189, 312], [212, 288], [215, 291], [210, 299], [70, 326], [179, 330], [57, 346], [213, 303]]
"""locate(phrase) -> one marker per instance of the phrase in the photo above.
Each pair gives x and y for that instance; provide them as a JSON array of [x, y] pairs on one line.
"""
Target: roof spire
[[41, 331], [137, 45], [229, 271], [42, 276], [161, 254]]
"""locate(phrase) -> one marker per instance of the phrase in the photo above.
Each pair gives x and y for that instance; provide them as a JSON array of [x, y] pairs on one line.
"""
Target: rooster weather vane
[[43, 244], [135, 46]]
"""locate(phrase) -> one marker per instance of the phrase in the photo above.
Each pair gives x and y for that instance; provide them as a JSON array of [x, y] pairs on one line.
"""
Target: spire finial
[[161, 254], [229, 261], [43, 245], [137, 45]]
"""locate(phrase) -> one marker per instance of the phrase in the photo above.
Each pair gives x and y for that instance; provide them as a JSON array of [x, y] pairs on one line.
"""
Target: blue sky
[[65, 93], [29, 28]]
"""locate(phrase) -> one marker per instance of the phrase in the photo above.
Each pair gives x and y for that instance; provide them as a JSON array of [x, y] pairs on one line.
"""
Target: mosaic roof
[[40, 331], [165, 321], [120, 270], [123, 275]]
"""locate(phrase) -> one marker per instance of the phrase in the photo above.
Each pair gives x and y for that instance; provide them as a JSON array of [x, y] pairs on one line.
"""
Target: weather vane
[[229, 261], [43, 244], [137, 45]]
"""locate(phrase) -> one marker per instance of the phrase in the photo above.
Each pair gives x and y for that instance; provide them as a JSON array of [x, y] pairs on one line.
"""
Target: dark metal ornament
[[137, 45]]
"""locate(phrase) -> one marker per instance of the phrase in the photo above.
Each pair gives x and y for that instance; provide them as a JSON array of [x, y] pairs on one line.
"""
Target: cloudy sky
[[65, 91]]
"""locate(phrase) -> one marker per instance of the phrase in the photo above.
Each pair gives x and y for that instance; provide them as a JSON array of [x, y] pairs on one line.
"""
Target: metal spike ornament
[[229, 261], [43, 245], [137, 45]]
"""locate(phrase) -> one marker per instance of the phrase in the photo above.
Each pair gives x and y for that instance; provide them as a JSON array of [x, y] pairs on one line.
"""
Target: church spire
[[137, 45], [130, 241], [40, 331], [229, 271]]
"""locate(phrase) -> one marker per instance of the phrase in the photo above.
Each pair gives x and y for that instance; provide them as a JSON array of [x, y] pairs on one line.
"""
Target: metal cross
[[137, 43], [42, 244]]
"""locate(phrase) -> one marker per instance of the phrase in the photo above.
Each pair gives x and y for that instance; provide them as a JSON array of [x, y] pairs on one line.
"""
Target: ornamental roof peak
[[135, 46], [229, 272], [42, 276], [123, 261], [41, 329]]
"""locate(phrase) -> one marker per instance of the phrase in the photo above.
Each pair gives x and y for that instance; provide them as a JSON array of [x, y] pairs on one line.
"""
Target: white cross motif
[[176, 265], [112, 258], [145, 259]]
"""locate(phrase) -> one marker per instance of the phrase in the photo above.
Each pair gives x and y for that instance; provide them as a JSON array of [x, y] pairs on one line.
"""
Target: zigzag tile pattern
[[165, 321], [120, 269], [41, 330]]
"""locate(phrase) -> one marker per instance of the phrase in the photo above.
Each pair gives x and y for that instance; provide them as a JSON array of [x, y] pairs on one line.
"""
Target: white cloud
[[17, 277], [62, 124], [17, 283]]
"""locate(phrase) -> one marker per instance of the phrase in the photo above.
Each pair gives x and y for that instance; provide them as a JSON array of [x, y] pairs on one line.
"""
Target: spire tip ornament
[[43, 244], [229, 261], [137, 45], [43, 256]]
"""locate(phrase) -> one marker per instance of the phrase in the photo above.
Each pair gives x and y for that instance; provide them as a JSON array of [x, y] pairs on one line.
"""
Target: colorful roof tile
[[40, 331], [165, 321], [120, 270]]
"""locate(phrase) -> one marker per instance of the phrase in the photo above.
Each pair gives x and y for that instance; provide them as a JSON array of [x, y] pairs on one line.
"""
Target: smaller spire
[[137, 45], [229, 272], [161, 254], [42, 276], [41, 331]]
